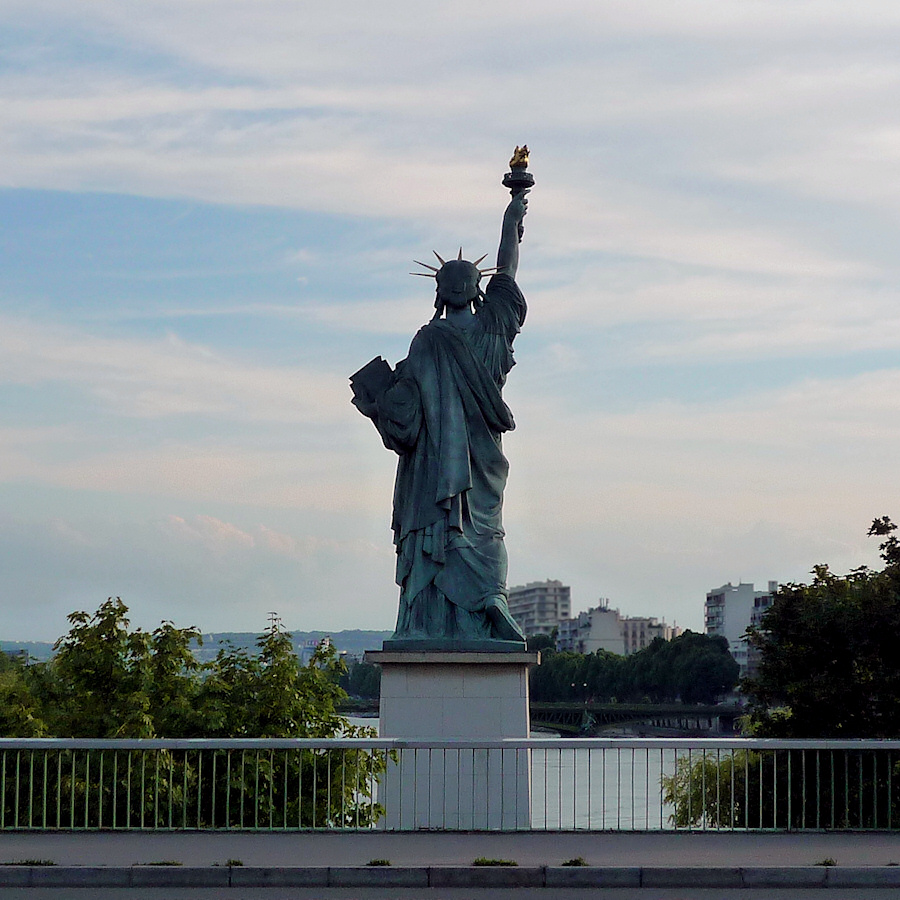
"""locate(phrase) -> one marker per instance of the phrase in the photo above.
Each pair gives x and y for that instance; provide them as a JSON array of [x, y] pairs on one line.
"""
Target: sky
[[208, 214]]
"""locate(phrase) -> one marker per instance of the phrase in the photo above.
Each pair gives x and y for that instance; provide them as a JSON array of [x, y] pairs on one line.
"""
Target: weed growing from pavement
[[29, 862]]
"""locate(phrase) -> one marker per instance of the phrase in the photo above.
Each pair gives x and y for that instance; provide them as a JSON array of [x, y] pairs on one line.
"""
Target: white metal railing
[[593, 784]]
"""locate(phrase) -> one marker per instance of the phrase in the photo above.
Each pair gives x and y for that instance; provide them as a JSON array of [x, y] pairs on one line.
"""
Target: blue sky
[[207, 216]]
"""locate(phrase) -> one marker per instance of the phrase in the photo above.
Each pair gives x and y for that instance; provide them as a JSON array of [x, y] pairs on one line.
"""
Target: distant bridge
[[592, 718], [582, 718]]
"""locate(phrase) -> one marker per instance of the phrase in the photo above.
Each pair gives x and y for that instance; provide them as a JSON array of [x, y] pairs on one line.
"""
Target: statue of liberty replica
[[441, 411]]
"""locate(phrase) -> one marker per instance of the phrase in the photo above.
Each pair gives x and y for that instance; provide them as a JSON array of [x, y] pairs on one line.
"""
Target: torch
[[518, 178]]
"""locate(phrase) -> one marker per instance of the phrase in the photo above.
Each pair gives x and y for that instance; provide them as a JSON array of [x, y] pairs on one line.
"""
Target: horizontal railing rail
[[565, 784], [575, 743]]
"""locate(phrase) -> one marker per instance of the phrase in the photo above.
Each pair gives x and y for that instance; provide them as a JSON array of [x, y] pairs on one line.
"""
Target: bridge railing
[[591, 784]]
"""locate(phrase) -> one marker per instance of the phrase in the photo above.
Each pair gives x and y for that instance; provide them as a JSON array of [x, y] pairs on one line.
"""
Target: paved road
[[440, 894]]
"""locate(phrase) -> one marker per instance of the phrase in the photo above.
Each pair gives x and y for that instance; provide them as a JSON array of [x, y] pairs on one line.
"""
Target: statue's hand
[[366, 405], [518, 206]]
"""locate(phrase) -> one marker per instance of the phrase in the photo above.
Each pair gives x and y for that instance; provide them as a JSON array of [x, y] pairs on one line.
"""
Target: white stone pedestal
[[455, 696]]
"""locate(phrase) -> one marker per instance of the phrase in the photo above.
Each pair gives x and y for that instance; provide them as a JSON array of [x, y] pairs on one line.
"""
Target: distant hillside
[[36, 650], [353, 642]]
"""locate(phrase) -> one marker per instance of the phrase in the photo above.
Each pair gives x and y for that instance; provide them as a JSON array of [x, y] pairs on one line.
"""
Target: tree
[[109, 681], [829, 667], [703, 668], [362, 680], [695, 668], [829, 660], [20, 713], [780, 788], [170, 680], [542, 643], [271, 694]]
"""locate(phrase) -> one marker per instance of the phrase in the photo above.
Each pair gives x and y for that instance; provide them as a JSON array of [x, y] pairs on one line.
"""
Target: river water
[[595, 788]]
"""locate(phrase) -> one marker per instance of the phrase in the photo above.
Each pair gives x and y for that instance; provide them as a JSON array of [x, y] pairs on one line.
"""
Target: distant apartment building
[[592, 630], [540, 606], [730, 610], [603, 628], [308, 648], [640, 631], [760, 605]]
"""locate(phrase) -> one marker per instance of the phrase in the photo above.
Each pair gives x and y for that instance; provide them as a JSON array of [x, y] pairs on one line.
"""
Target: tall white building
[[540, 606], [640, 631], [594, 629], [731, 609], [602, 628]]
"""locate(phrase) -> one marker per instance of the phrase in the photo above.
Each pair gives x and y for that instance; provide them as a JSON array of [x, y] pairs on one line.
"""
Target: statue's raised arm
[[519, 181], [511, 234]]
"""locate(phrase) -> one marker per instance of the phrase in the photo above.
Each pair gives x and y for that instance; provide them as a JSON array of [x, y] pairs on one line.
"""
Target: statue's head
[[458, 282]]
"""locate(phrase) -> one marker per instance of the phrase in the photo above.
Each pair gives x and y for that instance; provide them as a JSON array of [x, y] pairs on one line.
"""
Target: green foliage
[[829, 658], [95, 679], [378, 862], [787, 789], [270, 694], [829, 667], [20, 713], [108, 681], [542, 643], [171, 681], [719, 793], [486, 861], [362, 680], [890, 547], [9, 663], [576, 861], [695, 668]]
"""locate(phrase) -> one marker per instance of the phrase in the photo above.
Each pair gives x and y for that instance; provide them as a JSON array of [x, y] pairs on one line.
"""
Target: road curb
[[279, 876], [378, 876], [784, 877], [486, 876], [691, 876], [553, 877], [592, 876], [858, 876]]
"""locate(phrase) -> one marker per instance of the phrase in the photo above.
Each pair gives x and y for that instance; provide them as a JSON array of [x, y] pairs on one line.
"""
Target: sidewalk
[[424, 849], [329, 864]]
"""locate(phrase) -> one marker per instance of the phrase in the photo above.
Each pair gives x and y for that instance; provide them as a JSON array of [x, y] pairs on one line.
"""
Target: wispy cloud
[[168, 377]]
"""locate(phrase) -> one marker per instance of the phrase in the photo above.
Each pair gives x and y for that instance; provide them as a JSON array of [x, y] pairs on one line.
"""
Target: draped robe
[[444, 415]]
